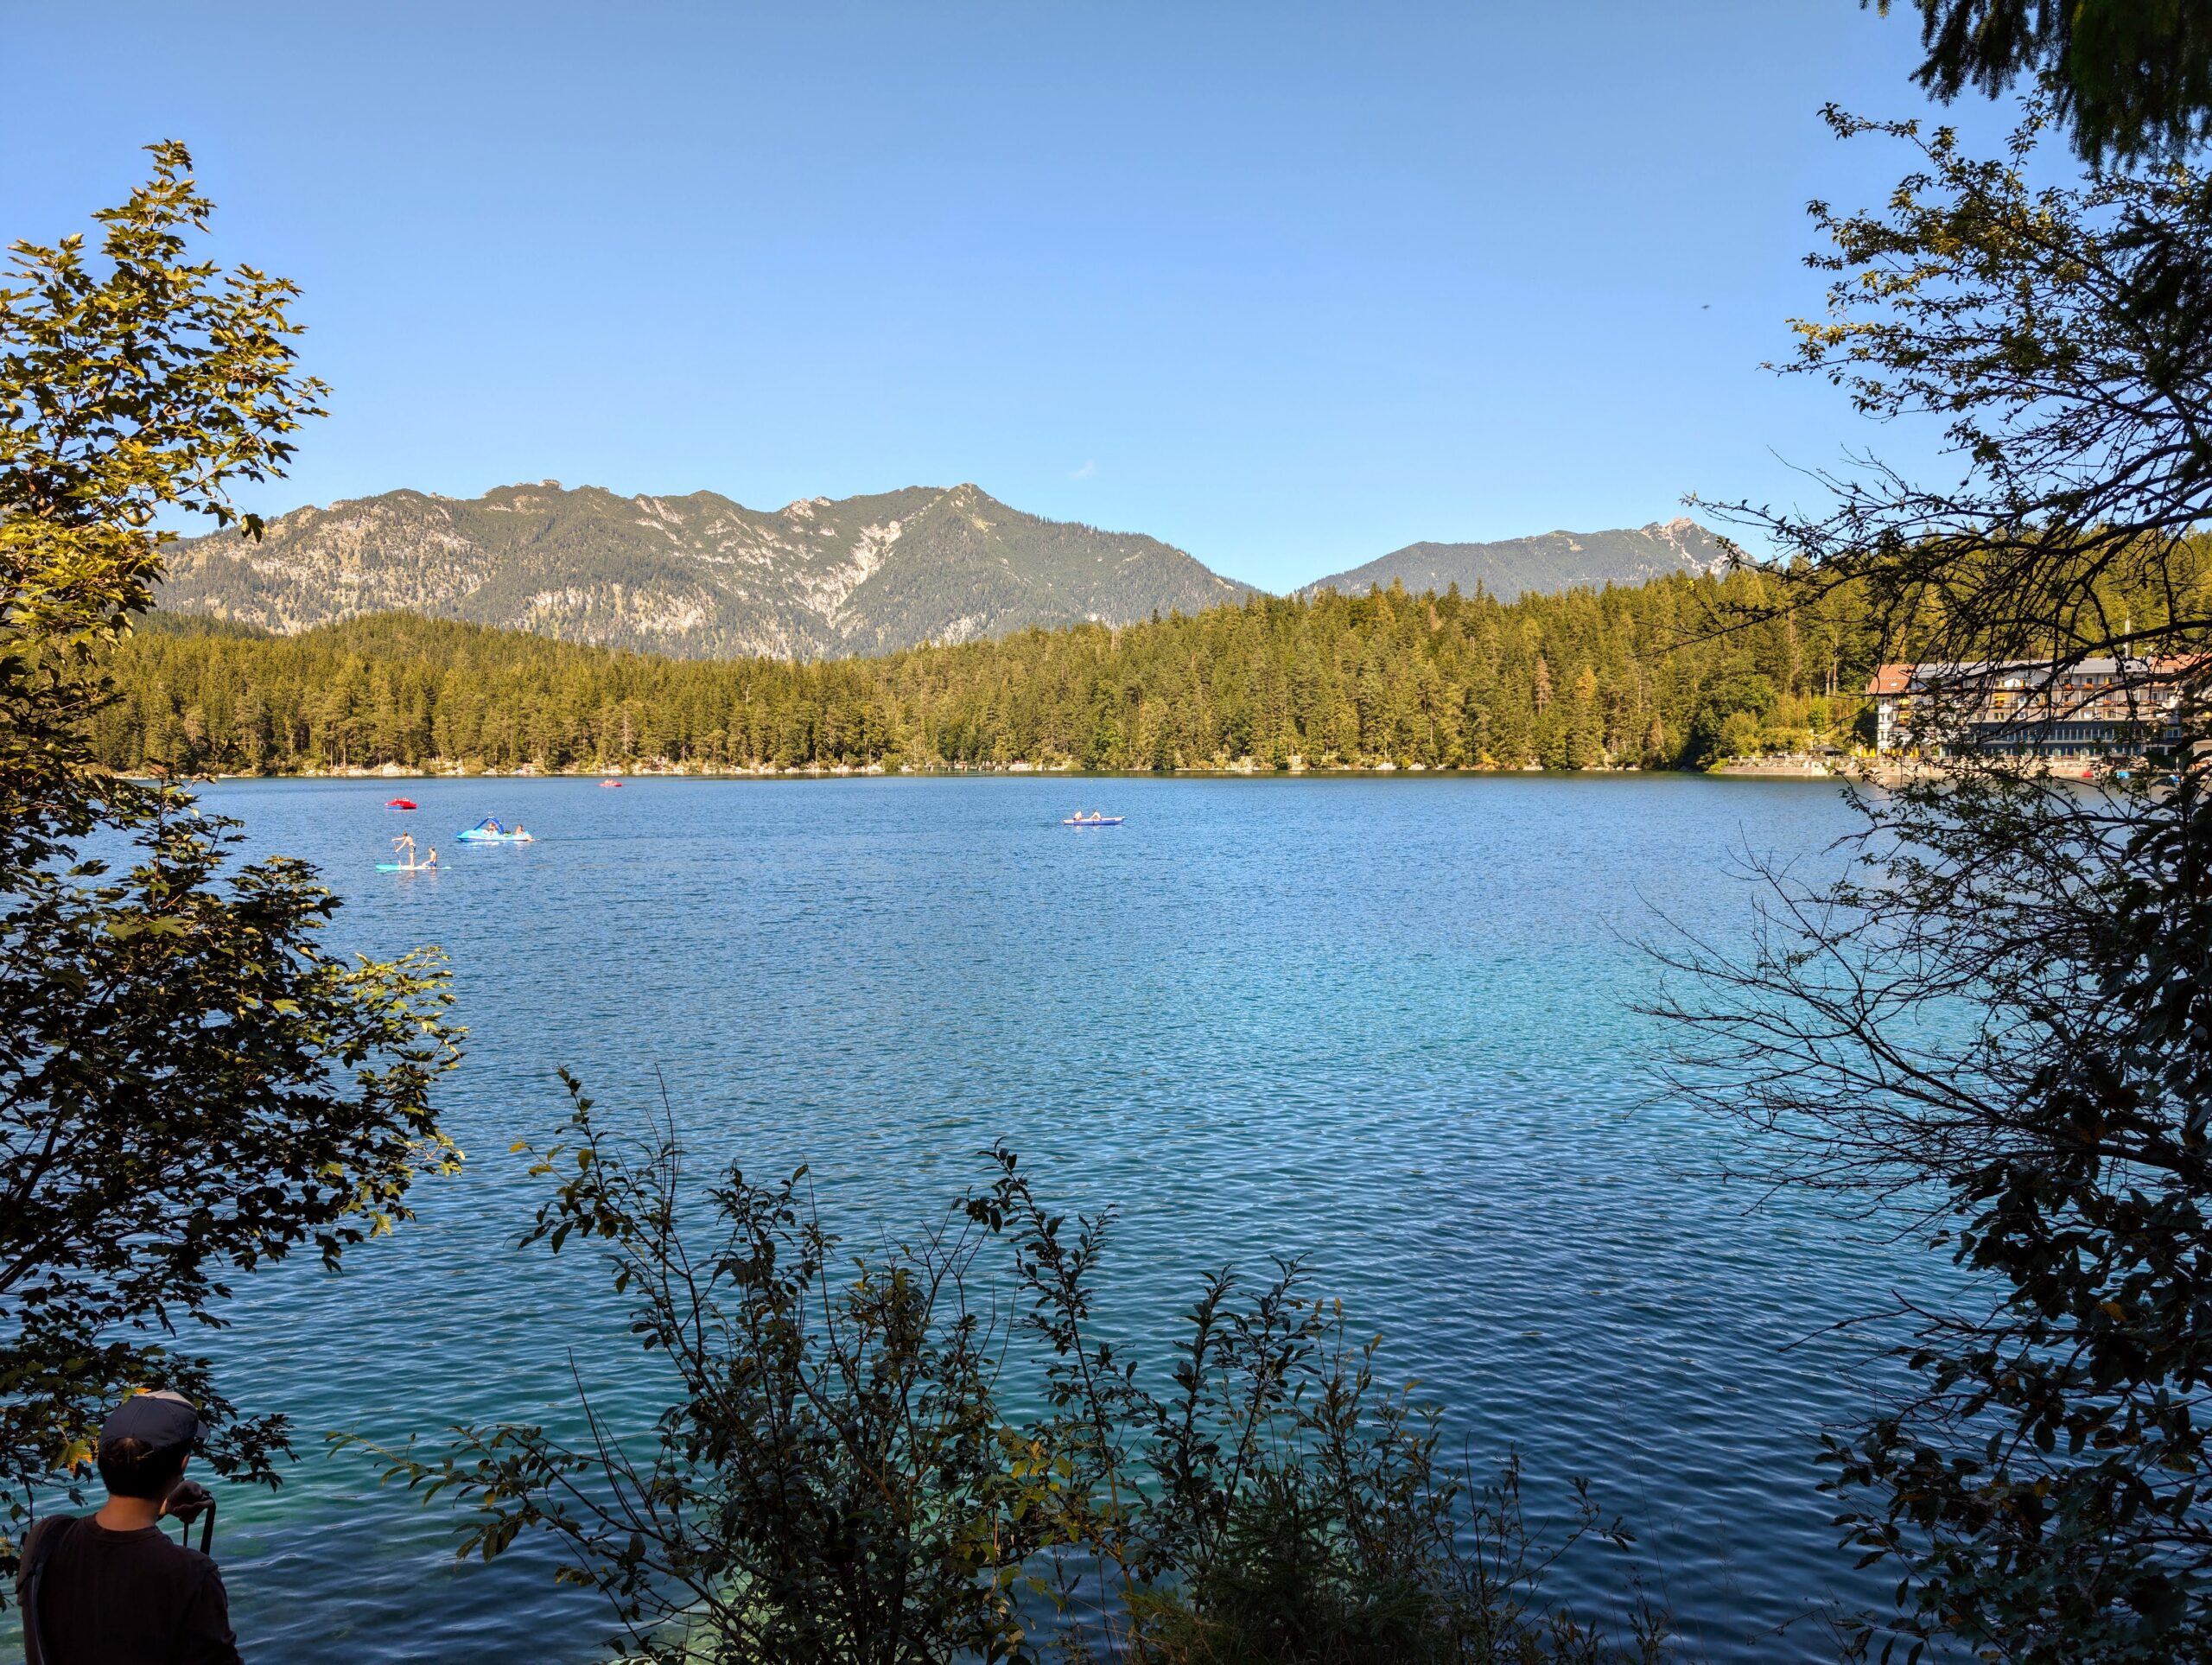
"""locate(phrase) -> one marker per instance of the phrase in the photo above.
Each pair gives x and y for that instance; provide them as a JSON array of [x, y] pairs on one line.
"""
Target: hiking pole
[[191, 1501]]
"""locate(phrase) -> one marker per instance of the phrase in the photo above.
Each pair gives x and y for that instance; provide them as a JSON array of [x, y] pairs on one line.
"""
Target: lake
[[1382, 1023]]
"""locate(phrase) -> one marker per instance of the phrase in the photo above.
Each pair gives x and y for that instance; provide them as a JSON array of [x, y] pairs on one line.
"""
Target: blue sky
[[1287, 285]]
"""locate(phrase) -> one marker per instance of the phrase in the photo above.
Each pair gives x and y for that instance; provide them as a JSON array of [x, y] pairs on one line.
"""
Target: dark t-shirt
[[126, 1599]]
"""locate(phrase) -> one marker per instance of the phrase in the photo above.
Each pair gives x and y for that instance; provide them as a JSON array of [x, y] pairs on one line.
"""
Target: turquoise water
[[1381, 1023]]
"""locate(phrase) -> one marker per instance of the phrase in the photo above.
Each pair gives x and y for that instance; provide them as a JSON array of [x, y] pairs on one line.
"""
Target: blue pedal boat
[[489, 831]]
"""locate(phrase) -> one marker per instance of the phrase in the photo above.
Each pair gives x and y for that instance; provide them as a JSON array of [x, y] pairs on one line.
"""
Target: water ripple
[[1381, 1023]]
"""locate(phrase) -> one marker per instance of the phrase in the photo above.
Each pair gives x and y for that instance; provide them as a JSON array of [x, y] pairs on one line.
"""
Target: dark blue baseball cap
[[157, 1420]]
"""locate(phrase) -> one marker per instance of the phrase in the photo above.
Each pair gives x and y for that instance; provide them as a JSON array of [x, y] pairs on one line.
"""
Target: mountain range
[[703, 576], [1547, 562], [697, 576]]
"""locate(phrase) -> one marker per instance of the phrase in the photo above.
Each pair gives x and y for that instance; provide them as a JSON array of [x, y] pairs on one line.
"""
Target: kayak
[[402, 804], [616, 784], [1092, 821]]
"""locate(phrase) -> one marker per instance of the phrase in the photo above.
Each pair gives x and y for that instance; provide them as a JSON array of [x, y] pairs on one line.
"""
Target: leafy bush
[[836, 1477]]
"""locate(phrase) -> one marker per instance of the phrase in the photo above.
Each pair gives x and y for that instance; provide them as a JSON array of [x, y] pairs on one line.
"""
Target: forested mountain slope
[[1575, 681], [695, 576], [1548, 562]]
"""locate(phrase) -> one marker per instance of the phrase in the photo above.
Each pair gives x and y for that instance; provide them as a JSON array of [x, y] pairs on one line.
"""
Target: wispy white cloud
[[1088, 469]]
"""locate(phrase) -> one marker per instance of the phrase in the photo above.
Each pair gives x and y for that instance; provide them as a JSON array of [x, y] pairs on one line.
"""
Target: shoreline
[[1754, 769]]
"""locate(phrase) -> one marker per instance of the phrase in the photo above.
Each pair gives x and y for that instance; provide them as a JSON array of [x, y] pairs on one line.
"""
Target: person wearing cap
[[112, 1588]]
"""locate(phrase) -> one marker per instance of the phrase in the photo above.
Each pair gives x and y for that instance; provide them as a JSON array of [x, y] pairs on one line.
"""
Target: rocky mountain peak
[[698, 575], [1549, 561]]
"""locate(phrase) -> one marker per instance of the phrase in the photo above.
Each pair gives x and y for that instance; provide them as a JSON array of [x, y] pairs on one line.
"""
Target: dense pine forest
[[1626, 676]]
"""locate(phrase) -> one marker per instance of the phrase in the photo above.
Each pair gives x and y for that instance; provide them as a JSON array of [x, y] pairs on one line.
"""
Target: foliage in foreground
[[1996, 1026], [2132, 78], [838, 1476], [189, 1086]]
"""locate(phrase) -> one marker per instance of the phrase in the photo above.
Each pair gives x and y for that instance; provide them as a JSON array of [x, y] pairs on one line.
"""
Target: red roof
[[1892, 679]]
